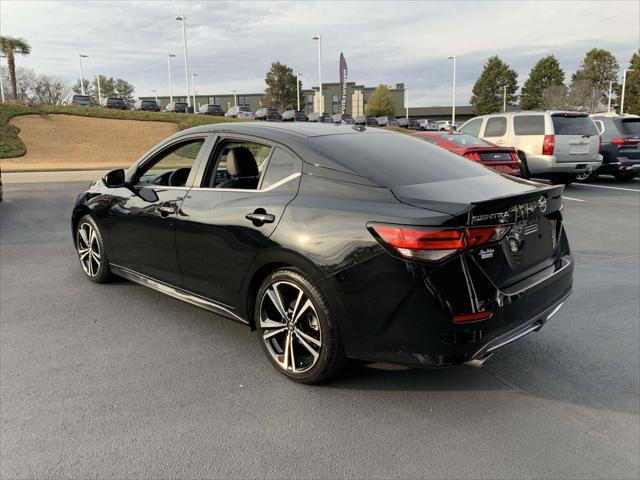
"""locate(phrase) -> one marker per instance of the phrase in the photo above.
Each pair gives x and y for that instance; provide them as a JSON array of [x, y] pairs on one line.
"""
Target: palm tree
[[11, 46]]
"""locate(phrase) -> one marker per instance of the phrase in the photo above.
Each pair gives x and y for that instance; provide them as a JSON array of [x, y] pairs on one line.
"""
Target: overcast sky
[[231, 45]]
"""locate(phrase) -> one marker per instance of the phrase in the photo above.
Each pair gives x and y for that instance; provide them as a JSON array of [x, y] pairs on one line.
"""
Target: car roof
[[528, 112]]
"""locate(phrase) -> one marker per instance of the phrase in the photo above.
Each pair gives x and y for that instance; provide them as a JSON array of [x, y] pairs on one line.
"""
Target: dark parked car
[[364, 120], [176, 107], [500, 159], [410, 123], [333, 242], [268, 114], [211, 109], [388, 122], [81, 101], [319, 117], [619, 147], [147, 105], [294, 116], [116, 103], [340, 119]]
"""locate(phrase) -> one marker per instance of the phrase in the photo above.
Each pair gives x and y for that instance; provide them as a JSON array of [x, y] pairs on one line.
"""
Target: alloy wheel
[[290, 327], [88, 249]]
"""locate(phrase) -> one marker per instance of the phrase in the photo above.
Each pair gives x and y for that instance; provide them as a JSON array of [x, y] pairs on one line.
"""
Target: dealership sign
[[343, 85]]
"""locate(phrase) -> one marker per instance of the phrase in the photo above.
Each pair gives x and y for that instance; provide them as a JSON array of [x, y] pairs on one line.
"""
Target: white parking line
[[574, 199], [605, 186]]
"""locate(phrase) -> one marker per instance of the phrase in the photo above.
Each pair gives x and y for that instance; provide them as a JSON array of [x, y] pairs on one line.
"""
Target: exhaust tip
[[479, 362]]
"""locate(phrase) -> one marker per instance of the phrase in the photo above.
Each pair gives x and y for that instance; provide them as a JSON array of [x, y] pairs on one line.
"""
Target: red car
[[500, 159]]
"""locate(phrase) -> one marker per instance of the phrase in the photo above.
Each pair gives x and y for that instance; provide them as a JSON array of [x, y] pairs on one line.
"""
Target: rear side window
[[465, 140], [573, 125], [528, 124], [496, 127], [630, 126], [281, 165], [472, 127]]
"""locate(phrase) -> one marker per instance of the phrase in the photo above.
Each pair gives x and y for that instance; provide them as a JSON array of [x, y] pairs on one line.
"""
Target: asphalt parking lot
[[119, 381]]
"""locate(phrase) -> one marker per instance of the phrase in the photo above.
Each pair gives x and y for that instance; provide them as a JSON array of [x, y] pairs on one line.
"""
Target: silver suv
[[557, 145]]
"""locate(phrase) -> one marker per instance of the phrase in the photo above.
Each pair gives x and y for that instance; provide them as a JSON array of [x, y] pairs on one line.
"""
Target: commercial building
[[357, 99]]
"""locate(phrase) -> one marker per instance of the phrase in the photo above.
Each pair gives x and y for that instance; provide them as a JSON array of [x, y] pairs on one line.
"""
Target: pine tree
[[488, 90], [632, 89], [546, 73], [281, 87]]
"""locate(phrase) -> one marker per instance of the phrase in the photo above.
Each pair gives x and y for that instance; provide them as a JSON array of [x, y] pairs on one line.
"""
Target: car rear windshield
[[82, 97], [465, 140], [149, 102], [395, 159], [573, 125], [245, 109], [630, 126]]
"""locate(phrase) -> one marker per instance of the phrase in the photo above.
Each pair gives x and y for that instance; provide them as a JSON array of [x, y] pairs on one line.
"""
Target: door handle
[[167, 210], [260, 217], [500, 142]]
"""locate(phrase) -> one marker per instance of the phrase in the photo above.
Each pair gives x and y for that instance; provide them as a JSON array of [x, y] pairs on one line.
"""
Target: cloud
[[231, 44]]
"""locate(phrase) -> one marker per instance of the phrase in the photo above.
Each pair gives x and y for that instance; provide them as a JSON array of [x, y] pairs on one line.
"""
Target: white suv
[[551, 144]]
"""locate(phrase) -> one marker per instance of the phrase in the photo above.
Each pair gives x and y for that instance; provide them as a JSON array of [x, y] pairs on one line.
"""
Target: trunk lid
[[531, 209]]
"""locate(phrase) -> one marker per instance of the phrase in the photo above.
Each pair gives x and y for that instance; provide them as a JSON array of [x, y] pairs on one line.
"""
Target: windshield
[[245, 109], [573, 125], [630, 126], [465, 140], [82, 97], [395, 159]]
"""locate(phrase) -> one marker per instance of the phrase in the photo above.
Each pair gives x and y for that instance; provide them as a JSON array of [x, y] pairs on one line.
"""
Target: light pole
[[453, 100], [99, 91], [155, 93], [319, 39], [298, 75], [609, 101], [624, 87], [193, 89], [183, 19], [169, 57], [235, 98], [504, 98], [80, 57]]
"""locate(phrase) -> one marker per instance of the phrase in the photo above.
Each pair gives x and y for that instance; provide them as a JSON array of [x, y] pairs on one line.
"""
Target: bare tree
[[582, 94], [51, 90], [555, 97]]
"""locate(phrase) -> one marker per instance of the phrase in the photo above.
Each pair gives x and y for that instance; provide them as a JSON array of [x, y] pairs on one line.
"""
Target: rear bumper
[[409, 321], [622, 164], [549, 164]]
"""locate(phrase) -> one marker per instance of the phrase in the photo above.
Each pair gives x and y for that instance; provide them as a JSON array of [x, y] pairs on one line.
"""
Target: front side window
[[496, 127], [528, 124], [472, 127], [171, 167], [238, 164]]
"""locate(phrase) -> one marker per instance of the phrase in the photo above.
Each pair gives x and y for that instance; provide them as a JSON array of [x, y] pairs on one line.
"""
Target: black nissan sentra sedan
[[334, 242]]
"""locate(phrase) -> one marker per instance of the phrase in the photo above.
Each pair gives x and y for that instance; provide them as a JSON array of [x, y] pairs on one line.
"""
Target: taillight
[[548, 144], [514, 157], [472, 317], [624, 141], [475, 156], [433, 244]]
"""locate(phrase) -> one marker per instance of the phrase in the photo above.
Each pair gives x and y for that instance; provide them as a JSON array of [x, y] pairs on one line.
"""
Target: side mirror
[[114, 179]]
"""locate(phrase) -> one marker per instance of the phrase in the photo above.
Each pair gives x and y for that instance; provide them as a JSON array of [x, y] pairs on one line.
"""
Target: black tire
[[330, 358], [623, 177], [91, 251], [524, 168]]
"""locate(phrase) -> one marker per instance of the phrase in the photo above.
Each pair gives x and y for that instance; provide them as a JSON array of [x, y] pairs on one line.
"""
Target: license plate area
[[579, 148]]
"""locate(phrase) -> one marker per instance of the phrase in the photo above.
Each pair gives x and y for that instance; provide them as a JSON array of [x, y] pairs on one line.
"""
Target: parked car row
[[564, 146]]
